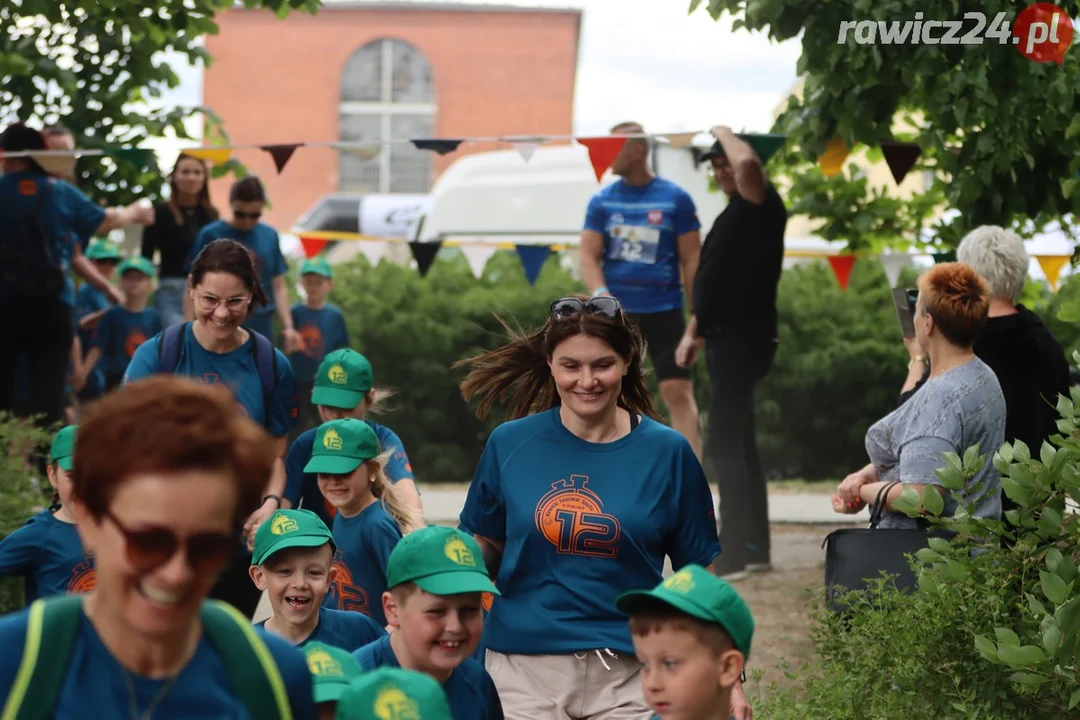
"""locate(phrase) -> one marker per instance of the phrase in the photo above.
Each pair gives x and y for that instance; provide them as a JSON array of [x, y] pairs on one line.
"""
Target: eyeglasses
[[239, 215], [233, 304], [149, 548], [568, 307]]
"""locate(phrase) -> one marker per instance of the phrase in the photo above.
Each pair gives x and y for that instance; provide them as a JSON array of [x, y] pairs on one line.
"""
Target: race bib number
[[634, 243]]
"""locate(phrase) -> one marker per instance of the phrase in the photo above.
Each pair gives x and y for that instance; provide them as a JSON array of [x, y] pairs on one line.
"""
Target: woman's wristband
[[276, 498]]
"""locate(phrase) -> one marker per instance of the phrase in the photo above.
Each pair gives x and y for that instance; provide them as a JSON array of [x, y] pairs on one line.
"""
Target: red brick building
[[377, 70]]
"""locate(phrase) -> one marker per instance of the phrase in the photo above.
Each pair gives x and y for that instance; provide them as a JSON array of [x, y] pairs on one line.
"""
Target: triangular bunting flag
[[281, 154], [1052, 266], [900, 157], [841, 267], [944, 257], [373, 250], [764, 145], [138, 157], [59, 165], [526, 149], [532, 259], [312, 246], [424, 253], [602, 152], [443, 147], [832, 160], [363, 153], [893, 263], [215, 156], [477, 256], [679, 139]]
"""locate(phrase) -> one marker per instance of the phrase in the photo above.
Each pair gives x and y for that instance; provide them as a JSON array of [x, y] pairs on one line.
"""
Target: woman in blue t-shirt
[[577, 499], [215, 349]]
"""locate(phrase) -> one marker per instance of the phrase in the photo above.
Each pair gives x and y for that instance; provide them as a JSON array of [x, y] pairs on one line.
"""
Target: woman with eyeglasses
[[247, 200], [165, 472], [578, 498], [216, 349]]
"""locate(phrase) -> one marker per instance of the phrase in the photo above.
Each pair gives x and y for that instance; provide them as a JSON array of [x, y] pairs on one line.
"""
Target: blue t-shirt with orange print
[[323, 330], [119, 334], [48, 553], [364, 543]]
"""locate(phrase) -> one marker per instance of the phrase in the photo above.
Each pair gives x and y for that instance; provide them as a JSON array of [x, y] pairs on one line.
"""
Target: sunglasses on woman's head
[[151, 547], [568, 307]]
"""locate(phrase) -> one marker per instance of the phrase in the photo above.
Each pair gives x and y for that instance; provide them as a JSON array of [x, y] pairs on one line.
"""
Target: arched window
[[386, 94]]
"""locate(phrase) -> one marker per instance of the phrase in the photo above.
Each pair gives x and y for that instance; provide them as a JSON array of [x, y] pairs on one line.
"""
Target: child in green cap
[[344, 388], [292, 562], [692, 634], [435, 579], [123, 328], [90, 305], [332, 669], [394, 693], [322, 328], [370, 515], [47, 551]]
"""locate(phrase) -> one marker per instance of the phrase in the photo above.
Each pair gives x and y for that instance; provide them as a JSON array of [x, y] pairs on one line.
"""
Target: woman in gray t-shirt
[[960, 406]]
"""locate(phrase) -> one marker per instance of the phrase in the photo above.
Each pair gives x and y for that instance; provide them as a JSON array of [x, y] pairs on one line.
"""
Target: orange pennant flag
[[1052, 265], [216, 156], [841, 267], [312, 246], [602, 152], [832, 160]]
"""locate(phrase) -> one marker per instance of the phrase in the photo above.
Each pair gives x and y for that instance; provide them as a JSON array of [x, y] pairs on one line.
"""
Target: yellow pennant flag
[[1052, 266], [216, 156], [832, 160]]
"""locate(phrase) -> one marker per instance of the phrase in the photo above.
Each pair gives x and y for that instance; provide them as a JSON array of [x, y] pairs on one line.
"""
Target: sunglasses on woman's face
[[151, 547], [568, 307], [241, 215]]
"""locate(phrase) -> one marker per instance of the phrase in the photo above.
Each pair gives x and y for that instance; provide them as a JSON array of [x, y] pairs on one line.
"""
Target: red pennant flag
[[313, 246], [281, 154], [602, 152], [841, 267]]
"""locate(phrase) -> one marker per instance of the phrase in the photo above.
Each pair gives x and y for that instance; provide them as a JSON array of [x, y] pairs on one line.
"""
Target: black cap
[[717, 150]]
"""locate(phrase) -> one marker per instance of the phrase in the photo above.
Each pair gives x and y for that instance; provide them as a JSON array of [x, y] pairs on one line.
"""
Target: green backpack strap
[[51, 627], [252, 670]]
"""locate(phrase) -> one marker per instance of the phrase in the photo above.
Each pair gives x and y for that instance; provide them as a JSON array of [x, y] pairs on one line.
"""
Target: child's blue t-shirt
[[95, 680], [302, 489], [119, 334], [261, 241], [469, 689], [90, 300], [323, 331], [364, 543], [582, 523], [235, 369], [49, 554], [349, 631]]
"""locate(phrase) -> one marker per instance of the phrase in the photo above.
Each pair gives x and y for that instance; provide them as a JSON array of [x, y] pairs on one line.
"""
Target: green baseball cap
[[103, 250], [394, 693], [62, 451], [700, 594], [343, 378], [317, 266], [441, 561], [137, 263], [289, 529], [332, 669], [341, 445]]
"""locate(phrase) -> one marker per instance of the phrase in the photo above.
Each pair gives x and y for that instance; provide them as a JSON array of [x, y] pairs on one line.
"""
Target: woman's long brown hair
[[203, 196]]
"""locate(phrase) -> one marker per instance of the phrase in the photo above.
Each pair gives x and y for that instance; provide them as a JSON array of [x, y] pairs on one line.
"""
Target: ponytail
[[404, 514]]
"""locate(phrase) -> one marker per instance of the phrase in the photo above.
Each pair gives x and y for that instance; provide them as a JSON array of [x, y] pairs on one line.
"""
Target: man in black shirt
[[735, 318]]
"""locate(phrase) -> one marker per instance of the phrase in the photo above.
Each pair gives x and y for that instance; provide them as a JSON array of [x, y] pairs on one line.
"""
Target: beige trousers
[[593, 685]]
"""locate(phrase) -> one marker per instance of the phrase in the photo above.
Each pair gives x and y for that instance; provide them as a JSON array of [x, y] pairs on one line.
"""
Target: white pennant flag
[[893, 263], [477, 257], [373, 250], [526, 149]]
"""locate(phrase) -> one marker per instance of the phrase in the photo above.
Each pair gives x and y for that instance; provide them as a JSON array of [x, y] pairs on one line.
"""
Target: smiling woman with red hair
[[960, 406]]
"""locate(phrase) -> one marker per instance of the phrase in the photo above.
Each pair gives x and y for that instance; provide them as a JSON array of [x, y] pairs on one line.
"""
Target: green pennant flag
[[764, 145], [943, 257], [139, 157]]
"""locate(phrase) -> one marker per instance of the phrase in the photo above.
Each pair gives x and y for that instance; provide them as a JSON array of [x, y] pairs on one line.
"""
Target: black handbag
[[855, 557]]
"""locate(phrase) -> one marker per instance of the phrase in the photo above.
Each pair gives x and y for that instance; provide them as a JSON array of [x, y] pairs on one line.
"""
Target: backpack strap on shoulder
[[172, 338], [266, 365], [254, 674], [51, 628]]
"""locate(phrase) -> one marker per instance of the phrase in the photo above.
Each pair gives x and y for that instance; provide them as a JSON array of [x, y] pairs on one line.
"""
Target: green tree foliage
[[94, 65], [995, 127]]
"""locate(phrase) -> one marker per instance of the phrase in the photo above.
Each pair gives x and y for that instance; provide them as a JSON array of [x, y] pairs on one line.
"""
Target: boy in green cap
[[322, 327], [394, 693], [292, 562], [123, 328], [332, 669], [344, 388], [90, 305], [47, 551], [435, 579], [692, 634]]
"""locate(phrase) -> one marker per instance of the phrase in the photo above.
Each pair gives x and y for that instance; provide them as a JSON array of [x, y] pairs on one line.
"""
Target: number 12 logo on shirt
[[571, 517]]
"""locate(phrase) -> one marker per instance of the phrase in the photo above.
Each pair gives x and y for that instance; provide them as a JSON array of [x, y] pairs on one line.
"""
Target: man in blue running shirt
[[641, 244]]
